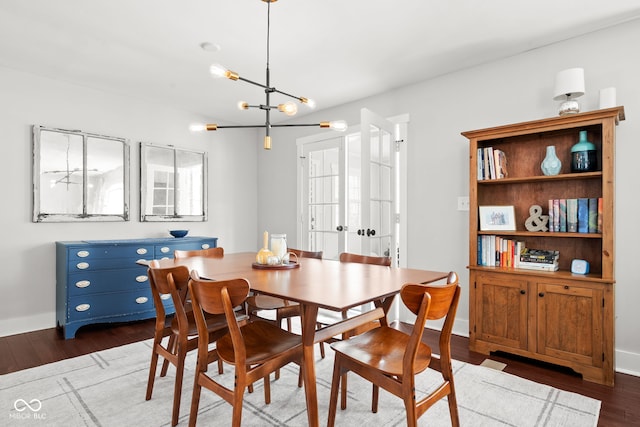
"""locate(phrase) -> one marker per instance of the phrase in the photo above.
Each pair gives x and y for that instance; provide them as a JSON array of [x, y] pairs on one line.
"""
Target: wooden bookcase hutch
[[557, 317]]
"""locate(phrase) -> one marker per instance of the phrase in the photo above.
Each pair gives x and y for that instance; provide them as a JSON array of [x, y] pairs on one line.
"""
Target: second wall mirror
[[173, 183]]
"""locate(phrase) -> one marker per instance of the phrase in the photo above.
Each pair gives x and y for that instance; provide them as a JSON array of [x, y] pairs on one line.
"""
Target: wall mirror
[[79, 176], [173, 183]]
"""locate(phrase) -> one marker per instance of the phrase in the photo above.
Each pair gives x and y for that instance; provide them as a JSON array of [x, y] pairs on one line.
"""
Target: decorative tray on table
[[286, 266]]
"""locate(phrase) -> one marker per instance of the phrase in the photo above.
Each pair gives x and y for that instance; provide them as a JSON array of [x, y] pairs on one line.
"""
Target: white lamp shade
[[569, 83]]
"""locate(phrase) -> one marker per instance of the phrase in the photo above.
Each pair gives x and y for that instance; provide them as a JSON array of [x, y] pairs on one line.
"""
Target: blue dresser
[[98, 281]]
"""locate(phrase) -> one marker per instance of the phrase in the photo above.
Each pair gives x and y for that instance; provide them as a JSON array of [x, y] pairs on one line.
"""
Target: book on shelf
[[551, 219], [539, 266], [556, 215], [599, 221], [593, 215], [542, 256], [500, 161], [583, 215], [492, 167], [572, 215], [562, 203]]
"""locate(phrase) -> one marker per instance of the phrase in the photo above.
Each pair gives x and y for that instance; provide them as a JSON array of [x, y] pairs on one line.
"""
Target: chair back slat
[[365, 259], [209, 293], [209, 253], [306, 254]]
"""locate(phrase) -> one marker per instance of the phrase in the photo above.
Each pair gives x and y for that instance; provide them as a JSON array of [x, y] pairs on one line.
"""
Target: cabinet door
[[501, 310], [570, 322]]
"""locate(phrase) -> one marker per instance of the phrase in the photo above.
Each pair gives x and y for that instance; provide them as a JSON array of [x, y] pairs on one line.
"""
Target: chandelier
[[289, 108]]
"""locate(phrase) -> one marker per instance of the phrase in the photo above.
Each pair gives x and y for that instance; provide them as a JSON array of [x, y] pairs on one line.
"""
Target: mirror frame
[[144, 185], [40, 216]]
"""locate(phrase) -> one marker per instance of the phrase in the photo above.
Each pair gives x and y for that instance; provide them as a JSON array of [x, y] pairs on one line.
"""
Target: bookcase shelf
[[556, 317]]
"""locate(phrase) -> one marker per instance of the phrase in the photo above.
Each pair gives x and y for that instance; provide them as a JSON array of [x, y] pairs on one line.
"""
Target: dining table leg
[[309, 318]]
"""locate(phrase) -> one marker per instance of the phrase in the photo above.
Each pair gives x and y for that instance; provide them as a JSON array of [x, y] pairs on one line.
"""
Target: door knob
[[339, 228]]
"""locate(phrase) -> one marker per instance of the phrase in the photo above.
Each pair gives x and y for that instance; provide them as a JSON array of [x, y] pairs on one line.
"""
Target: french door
[[347, 190]]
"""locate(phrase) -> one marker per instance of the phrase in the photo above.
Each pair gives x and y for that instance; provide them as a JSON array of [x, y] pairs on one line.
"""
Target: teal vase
[[551, 164], [583, 155]]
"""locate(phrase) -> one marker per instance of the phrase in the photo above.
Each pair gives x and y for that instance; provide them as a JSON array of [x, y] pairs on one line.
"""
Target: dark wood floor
[[620, 404]]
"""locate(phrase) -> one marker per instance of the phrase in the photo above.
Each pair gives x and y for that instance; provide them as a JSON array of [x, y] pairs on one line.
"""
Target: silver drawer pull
[[83, 254], [83, 307], [165, 296], [205, 246], [142, 300], [141, 251], [164, 249], [141, 279], [82, 283], [82, 265]]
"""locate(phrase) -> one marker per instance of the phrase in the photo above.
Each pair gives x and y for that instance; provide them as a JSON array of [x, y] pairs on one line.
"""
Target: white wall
[[501, 92], [28, 250]]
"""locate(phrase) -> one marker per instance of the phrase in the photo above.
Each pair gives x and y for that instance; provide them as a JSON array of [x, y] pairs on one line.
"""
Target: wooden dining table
[[314, 284]]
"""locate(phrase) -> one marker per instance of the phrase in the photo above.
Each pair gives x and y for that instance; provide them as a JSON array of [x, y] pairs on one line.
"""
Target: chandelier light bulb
[[243, 105], [310, 102], [197, 127], [218, 70], [338, 125], [289, 108]]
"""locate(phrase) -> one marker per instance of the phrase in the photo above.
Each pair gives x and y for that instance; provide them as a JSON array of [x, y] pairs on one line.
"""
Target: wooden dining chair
[[285, 310], [328, 317], [209, 253], [391, 359], [180, 328], [255, 349]]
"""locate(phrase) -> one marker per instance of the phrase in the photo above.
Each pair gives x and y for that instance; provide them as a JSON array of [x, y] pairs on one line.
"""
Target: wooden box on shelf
[[553, 316]]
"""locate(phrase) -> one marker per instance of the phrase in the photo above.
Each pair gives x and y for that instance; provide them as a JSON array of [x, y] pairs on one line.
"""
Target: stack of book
[[492, 164], [539, 259]]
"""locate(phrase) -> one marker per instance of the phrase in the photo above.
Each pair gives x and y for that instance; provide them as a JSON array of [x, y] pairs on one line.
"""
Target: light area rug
[[107, 389]]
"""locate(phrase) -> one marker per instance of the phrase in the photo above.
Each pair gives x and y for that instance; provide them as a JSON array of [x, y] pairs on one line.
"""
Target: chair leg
[[453, 407], [152, 372], [343, 392], [238, 395], [333, 399], [374, 399], [267, 390], [195, 401], [410, 407], [220, 368], [177, 388]]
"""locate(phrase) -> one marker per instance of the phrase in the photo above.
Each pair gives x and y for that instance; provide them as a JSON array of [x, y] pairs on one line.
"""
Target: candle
[[265, 242]]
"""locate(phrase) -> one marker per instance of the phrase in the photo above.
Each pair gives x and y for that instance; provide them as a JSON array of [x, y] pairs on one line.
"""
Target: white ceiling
[[333, 51]]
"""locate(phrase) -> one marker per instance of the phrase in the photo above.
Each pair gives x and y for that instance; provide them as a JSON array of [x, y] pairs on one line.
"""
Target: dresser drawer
[[98, 264], [93, 282], [112, 304], [91, 252], [166, 250]]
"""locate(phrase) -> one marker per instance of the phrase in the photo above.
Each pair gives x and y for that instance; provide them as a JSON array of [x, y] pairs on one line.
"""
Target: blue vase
[[583, 155], [551, 164]]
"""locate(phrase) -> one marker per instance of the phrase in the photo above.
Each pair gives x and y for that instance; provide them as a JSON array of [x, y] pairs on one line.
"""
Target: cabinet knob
[[141, 251], [522, 291], [339, 228], [164, 249], [541, 294], [142, 300], [205, 246]]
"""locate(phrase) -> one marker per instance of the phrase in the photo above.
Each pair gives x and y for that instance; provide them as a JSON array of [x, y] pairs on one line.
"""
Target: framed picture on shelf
[[497, 218]]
